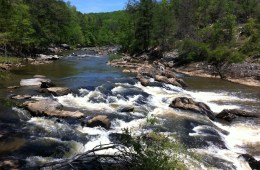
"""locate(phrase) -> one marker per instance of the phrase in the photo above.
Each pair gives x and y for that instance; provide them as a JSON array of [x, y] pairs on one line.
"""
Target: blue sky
[[88, 6]]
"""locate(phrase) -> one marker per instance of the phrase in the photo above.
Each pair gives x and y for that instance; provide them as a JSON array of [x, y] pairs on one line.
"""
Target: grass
[[114, 57], [9, 60]]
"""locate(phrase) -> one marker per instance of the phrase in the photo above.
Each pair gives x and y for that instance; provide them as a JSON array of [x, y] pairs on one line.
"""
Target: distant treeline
[[214, 30], [34, 24], [211, 30]]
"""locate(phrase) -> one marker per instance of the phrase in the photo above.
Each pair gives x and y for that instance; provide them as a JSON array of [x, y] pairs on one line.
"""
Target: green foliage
[[114, 57], [9, 60], [193, 51], [155, 151], [205, 26], [225, 54]]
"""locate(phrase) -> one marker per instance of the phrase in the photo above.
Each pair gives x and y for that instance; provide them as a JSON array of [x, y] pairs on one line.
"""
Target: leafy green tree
[[142, 14]]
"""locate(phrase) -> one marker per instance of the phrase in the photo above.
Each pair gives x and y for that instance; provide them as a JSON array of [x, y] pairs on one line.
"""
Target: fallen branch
[[123, 157]]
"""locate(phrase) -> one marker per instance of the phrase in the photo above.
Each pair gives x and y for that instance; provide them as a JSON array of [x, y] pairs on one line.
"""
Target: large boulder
[[232, 114], [144, 81], [166, 80], [59, 91], [185, 103], [100, 120], [148, 70], [49, 108]]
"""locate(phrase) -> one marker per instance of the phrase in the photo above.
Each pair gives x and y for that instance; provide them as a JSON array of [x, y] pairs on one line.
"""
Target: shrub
[[9, 60], [193, 51], [114, 57], [224, 54]]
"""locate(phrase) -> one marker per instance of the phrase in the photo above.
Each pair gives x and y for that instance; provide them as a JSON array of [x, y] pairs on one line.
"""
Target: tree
[[163, 25], [142, 14]]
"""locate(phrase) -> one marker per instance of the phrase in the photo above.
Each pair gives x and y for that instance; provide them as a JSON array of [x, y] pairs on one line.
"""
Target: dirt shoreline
[[245, 74], [201, 73]]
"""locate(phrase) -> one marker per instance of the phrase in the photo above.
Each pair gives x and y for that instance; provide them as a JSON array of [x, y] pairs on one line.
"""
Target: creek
[[100, 89]]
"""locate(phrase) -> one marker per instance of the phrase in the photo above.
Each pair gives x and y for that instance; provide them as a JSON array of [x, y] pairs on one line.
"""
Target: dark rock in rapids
[[185, 103], [253, 163], [100, 120], [230, 115], [125, 109], [47, 85], [49, 108]]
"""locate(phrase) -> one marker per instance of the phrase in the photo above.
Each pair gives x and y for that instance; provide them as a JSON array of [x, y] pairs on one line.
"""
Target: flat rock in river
[[232, 114], [58, 91], [21, 97], [49, 108], [100, 120]]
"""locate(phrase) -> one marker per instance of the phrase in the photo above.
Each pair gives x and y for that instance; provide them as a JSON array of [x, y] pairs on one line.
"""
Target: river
[[100, 89]]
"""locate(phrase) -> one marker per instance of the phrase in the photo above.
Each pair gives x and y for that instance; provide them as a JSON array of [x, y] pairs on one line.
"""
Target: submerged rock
[[253, 163], [59, 91], [100, 120], [232, 114], [125, 109], [49, 108], [21, 97], [185, 103], [13, 87]]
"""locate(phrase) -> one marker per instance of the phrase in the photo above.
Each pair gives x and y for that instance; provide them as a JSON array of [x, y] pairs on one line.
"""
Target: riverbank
[[246, 73]]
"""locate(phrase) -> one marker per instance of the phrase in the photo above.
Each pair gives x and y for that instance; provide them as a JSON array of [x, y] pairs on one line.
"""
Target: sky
[[89, 6]]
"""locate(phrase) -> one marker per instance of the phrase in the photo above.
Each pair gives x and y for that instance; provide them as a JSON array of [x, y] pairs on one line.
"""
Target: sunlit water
[[100, 89]]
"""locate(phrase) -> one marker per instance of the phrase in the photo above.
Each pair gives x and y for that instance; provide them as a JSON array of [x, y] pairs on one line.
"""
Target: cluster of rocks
[[9, 66], [159, 73], [42, 59], [145, 71], [185, 103], [51, 108], [105, 50]]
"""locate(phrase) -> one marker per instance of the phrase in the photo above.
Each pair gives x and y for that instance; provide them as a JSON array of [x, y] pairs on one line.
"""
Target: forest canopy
[[200, 29]]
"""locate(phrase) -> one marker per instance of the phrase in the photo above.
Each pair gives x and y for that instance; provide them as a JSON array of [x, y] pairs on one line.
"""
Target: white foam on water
[[50, 125], [38, 97], [198, 130], [242, 138], [84, 102], [135, 125], [21, 113], [226, 155], [33, 81], [211, 97]]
